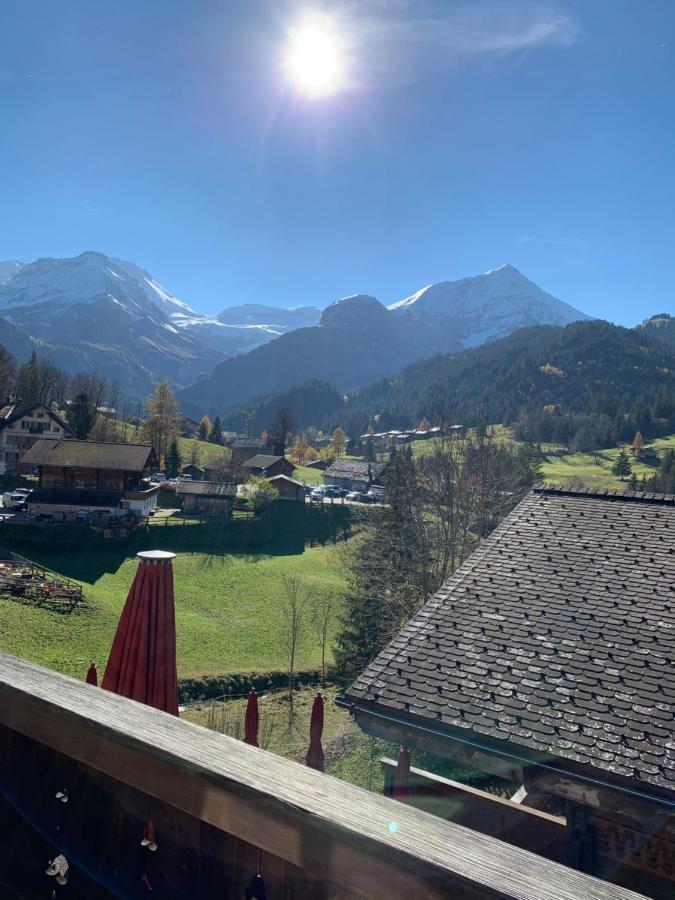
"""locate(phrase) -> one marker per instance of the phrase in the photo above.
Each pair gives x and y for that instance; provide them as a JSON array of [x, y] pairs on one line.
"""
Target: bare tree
[[293, 611], [323, 618], [281, 430]]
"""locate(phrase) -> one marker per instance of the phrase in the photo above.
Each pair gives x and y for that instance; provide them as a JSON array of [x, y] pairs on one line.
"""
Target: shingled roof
[[90, 455], [556, 635], [261, 461], [12, 412], [356, 469]]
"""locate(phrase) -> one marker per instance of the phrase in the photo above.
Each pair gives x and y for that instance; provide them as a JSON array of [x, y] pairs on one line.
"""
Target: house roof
[[207, 488], [556, 635], [249, 442], [261, 461], [287, 479], [89, 455], [354, 468], [12, 412]]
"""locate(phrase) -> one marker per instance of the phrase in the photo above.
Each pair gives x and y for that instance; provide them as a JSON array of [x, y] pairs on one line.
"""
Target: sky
[[456, 136]]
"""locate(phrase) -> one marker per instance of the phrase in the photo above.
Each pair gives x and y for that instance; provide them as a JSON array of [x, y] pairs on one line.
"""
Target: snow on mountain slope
[[485, 307], [9, 268]]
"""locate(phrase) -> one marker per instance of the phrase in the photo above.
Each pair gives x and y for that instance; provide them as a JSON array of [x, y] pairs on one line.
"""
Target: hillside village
[[337, 451]]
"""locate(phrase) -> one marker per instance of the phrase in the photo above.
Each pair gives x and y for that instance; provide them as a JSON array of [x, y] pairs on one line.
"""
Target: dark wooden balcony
[[222, 812]]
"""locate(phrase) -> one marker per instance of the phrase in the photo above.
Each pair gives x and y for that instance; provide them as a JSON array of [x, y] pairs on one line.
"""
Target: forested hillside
[[589, 382]]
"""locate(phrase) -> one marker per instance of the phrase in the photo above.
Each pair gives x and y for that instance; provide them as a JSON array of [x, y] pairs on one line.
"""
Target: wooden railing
[[219, 801]]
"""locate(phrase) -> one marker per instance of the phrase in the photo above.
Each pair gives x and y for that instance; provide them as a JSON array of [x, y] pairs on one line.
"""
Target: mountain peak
[[356, 311]]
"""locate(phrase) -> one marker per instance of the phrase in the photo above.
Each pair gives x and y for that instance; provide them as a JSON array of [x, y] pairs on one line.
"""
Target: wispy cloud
[[406, 37]]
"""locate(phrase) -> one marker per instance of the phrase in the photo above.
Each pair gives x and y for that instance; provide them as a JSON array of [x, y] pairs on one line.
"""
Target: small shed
[[269, 466], [289, 488], [214, 499]]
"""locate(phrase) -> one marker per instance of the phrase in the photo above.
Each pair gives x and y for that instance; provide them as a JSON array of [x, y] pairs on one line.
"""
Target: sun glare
[[315, 60]]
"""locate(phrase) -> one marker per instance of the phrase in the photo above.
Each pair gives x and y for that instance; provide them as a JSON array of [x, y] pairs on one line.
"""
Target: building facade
[[21, 425], [91, 480]]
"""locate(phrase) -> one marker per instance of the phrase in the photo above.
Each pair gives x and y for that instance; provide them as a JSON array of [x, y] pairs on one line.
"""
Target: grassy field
[[308, 475], [207, 454], [228, 605], [595, 469]]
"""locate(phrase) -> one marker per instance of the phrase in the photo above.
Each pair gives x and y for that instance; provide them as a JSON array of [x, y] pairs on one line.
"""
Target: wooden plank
[[334, 831]]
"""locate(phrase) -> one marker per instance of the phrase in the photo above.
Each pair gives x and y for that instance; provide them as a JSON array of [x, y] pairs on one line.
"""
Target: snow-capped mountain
[[274, 318], [485, 307], [96, 312]]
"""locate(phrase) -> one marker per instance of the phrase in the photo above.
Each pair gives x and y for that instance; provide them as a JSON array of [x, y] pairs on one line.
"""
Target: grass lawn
[[595, 469], [308, 475], [228, 605], [207, 454]]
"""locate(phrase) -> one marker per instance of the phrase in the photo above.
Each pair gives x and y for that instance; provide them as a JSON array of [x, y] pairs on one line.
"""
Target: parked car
[[16, 493], [157, 478], [372, 497], [184, 478], [353, 495], [16, 500], [318, 494], [338, 491]]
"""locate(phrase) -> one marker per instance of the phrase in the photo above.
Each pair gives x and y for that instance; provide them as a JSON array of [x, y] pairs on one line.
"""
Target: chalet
[[85, 480], [548, 659], [319, 464], [214, 499], [21, 425], [268, 465], [188, 427], [288, 488], [355, 474], [244, 449]]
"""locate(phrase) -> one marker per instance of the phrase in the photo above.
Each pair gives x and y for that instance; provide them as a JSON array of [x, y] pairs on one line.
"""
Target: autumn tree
[[162, 420], [338, 442], [638, 444], [204, 428]]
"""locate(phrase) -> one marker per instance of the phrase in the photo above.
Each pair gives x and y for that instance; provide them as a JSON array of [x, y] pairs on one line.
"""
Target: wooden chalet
[[91, 479], [268, 465], [548, 660], [102, 796], [246, 448]]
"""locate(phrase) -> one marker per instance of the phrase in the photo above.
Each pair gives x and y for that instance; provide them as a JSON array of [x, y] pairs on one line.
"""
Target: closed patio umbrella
[[315, 758], [142, 661], [402, 775], [92, 675], [251, 719]]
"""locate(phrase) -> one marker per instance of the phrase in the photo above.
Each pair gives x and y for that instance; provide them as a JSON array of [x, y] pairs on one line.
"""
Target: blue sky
[[466, 134]]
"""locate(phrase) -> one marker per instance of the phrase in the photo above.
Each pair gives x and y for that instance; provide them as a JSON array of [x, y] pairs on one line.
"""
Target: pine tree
[[81, 417], [174, 460], [216, 433], [622, 466], [204, 428]]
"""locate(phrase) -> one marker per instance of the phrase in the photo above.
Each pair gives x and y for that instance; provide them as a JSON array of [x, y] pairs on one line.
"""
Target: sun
[[314, 59]]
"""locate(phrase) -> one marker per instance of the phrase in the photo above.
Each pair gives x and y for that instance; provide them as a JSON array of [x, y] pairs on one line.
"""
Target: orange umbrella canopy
[[402, 774], [315, 757], [142, 661], [251, 719]]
